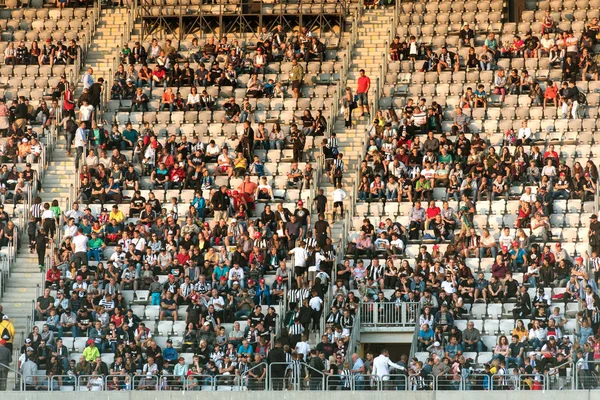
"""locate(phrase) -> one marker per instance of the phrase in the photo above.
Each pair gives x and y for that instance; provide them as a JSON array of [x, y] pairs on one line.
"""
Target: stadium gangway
[[585, 374], [388, 314], [297, 376], [145, 382], [247, 381]]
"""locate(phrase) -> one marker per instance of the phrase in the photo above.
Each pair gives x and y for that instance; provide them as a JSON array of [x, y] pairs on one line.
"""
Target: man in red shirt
[[362, 92]]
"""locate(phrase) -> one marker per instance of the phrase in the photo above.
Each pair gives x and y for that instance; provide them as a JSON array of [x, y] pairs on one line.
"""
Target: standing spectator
[[362, 91], [5, 360], [296, 76]]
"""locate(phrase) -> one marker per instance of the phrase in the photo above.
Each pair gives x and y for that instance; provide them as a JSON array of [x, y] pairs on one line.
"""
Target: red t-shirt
[[363, 84], [432, 212]]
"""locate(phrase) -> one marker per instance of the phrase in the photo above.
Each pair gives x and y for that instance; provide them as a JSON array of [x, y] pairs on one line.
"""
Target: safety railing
[[389, 314], [19, 382], [354, 340], [585, 376], [255, 378], [145, 382], [561, 377], [199, 382]]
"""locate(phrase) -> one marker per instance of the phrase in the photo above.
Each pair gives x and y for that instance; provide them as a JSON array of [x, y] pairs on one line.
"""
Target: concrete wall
[[336, 395]]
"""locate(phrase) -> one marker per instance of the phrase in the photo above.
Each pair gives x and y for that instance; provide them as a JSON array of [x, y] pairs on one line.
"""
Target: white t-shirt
[[505, 241], [315, 303], [300, 256], [86, 112], [48, 214], [80, 242], [338, 195], [448, 287]]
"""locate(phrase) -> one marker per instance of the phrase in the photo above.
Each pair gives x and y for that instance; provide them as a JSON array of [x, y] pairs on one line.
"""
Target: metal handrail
[[18, 376]]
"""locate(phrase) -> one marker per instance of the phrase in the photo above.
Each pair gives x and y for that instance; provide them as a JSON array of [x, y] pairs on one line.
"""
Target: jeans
[[514, 360], [73, 331], [78, 156], [493, 250], [276, 144], [532, 282], [475, 347], [363, 195], [391, 194], [96, 253]]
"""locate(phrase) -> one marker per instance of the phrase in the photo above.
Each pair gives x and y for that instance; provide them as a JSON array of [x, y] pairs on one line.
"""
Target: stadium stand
[[229, 207]]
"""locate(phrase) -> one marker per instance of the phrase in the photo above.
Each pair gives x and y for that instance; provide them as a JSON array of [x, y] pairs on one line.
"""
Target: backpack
[[5, 334], [581, 98]]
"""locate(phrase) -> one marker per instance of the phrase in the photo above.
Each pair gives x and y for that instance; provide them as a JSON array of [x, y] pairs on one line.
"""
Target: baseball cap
[[27, 340], [206, 323], [29, 348], [436, 344], [280, 279], [169, 341], [504, 248], [2, 342], [250, 281], [261, 281], [4, 317], [300, 202], [171, 276], [515, 244]]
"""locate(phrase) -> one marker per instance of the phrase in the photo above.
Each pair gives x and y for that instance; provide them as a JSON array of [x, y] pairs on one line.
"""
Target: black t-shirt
[[301, 215], [515, 348], [321, 227], [256, 319], [138, 202], [321, 201]]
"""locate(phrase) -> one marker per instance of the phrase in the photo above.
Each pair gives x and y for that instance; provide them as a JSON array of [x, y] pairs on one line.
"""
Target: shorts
[[299, 271], [296, 84], [363, 98]]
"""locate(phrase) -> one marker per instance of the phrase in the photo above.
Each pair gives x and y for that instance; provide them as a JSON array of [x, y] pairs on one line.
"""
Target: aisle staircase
[[106, 44], [372, 33]]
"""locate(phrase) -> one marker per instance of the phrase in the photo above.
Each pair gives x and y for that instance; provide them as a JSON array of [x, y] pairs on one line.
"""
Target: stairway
[[22, 287], [106, 42], [365, 55]]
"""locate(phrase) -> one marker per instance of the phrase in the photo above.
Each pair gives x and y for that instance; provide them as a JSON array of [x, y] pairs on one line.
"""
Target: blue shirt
[[245, 350]]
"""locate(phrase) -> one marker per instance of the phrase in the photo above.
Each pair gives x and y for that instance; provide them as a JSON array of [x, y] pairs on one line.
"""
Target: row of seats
[[452, 6], [261, 104], [30, 14], [204, 117], [304, 9], [566, 213], [35, 71]]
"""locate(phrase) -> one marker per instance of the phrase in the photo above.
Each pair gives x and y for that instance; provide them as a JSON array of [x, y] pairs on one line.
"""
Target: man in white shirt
[[79, 246], [300, 257], [302, 347], [74, 213], [80, 142], [528, 196], [505, 238], [87, 79], [539, 228], [338, 200], [316, 304], [85, 114], [524, 133], [382, 364]]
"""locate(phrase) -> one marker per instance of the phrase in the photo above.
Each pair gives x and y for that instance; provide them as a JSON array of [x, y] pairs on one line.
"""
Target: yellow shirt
[[117, 216], [6, 325], [90, 353]]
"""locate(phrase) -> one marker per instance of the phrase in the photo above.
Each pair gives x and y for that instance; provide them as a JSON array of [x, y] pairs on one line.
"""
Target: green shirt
[[131, 135], [95, 243], [425, 185]]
